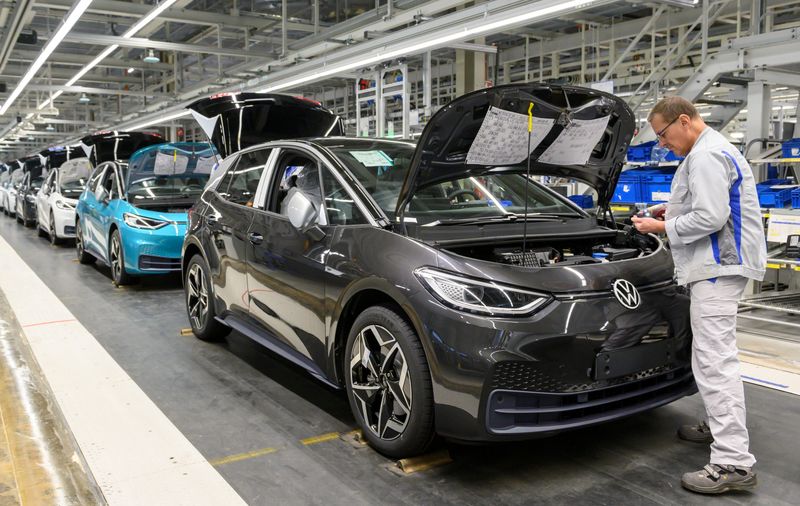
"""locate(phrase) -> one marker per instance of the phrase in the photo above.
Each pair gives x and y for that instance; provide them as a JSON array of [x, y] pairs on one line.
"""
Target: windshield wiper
[[506, 218]]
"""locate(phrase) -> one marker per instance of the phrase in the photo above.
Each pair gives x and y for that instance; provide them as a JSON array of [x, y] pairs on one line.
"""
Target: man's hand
[[648, 225]]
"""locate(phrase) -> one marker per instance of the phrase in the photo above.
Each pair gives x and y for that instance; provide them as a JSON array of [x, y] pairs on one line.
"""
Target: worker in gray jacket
[[713, 222]]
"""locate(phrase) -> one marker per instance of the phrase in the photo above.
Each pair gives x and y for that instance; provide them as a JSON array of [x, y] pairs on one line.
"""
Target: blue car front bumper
[[152, 251]]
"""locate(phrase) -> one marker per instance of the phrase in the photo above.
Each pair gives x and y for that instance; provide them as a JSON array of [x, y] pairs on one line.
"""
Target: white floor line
[[137, 456]]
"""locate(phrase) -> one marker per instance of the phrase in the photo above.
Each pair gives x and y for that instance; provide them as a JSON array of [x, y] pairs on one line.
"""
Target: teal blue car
[[133, 215]]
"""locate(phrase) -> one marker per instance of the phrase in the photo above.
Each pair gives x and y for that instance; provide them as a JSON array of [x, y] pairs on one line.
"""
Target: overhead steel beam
[[108, 40], [14, 24], [778, 77], [26, 55], [47, 88]]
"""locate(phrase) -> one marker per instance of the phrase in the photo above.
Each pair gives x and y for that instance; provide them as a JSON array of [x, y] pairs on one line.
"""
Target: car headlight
[[64, 205], [136, 221], [482, 297]]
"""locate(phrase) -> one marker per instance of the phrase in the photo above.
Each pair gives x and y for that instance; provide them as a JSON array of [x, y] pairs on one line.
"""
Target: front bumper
[[152, 251], [12, 203], [576, 363], [64, 222]]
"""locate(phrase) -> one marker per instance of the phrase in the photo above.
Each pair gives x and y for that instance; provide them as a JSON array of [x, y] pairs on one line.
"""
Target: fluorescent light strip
[[464, 34], [72, 17], [110, 49]]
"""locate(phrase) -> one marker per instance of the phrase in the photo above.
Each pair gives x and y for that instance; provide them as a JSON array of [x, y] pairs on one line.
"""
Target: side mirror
[[302, 214]]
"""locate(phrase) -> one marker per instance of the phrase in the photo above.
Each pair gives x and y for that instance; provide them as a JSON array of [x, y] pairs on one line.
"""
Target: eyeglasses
[[660, 135]]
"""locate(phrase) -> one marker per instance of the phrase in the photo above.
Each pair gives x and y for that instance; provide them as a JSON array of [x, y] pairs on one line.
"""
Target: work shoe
[[699, 433], [716, 479]]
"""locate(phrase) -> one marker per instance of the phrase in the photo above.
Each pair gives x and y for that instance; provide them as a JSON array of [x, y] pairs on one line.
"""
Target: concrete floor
[[235, 399]]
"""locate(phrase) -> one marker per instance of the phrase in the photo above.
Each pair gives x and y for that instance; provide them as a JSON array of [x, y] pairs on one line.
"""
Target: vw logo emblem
[[627, 294]]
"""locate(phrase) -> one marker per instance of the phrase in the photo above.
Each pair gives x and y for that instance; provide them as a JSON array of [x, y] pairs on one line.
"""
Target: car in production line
[[33, 176], [5, 176], [133, 216], [442, 287], [10, 188], [69, 170]]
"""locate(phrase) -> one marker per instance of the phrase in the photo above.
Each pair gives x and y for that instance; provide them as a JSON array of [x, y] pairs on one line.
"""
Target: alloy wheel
[[381, 382], [197, 296], [114, 258], [53, 237]]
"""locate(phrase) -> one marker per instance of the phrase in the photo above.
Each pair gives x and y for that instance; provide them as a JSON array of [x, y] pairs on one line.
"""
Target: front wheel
[[116, 258], [54, 240], [80, 247], [200, 302], [389, 384]]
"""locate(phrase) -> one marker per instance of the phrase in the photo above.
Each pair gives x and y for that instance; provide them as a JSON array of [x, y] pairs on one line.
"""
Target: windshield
[[36, 184], [168, 172], [72, 177], [382, 167]]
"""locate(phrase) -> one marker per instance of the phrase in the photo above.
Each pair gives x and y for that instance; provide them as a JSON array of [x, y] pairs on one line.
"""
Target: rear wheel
[[83, 256], [200, 302], [116, 258], [389, 384]]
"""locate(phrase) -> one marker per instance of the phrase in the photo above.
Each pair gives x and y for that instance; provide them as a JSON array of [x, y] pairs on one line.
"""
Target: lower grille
[[69, 229], [519, 412], [149, 262]]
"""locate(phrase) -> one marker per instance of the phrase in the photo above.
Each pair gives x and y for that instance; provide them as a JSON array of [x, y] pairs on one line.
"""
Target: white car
[[10, 203], [56, 200], [5, 177]]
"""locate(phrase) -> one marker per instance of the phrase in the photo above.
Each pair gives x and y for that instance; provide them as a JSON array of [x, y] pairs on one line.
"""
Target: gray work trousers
[[715, 364]]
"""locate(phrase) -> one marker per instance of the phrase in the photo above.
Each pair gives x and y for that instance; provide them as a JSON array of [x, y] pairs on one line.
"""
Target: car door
[[90, 218], [226, 221], [43, 200], [286, 268], [106, 208]]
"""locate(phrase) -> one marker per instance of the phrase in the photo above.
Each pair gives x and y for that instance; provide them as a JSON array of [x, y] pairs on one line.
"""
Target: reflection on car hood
[[448, 138]]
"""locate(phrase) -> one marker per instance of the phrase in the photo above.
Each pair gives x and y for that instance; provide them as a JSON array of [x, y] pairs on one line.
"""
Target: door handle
[[255, 238]]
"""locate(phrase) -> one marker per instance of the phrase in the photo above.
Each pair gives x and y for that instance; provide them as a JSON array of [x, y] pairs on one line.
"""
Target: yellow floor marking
[[424, 462], [186, 332], [319, 439], [75, 261], [773, 266], [10, 456], [242, 456]]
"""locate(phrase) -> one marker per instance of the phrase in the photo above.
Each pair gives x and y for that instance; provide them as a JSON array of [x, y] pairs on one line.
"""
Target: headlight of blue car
[[136, 221], [481, 297]]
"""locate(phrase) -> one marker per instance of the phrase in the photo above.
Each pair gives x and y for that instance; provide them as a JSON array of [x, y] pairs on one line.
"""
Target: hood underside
[[116, 146], [577, 133]]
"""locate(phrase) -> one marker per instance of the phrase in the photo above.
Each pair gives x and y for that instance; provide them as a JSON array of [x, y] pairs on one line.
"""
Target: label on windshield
[[170, 164], [372, 158]]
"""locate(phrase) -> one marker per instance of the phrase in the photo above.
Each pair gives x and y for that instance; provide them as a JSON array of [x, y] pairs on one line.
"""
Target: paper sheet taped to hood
[[170, 164], [502, 138], [575, 143]]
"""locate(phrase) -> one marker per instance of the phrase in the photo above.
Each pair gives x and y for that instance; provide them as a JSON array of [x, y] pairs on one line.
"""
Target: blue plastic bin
[[796, 198], [774, 197], [655, 185], [645, 153], [769, 183], [791, 148], [583, 201], [628, 190]]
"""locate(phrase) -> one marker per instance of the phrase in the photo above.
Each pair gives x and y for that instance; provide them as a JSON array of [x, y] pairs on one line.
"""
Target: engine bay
[[625, 245]]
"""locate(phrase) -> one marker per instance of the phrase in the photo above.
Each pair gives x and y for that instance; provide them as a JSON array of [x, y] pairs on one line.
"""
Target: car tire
[[40, 231], [54, 240], [197, 289], [83, 256], [380, 333], [116, 260]]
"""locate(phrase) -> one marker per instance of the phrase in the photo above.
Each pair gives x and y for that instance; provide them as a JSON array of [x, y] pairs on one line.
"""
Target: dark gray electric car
[[447, 297]]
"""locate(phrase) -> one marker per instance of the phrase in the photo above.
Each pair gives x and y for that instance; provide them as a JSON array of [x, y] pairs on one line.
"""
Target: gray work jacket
[[713, 218]]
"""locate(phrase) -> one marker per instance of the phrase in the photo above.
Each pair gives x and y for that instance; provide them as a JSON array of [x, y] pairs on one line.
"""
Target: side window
[[245, 177], [113, 185], [339, 204], [95, 178], [295, 170]]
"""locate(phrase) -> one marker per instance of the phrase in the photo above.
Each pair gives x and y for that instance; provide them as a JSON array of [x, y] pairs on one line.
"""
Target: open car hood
[[578, 133], [53, 158], [116, 146], [234, 121]]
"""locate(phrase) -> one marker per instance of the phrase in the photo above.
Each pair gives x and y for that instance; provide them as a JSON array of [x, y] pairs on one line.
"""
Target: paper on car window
[[205, 165], [502, 138], [169, 164], [372, 158], [575, 144]]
